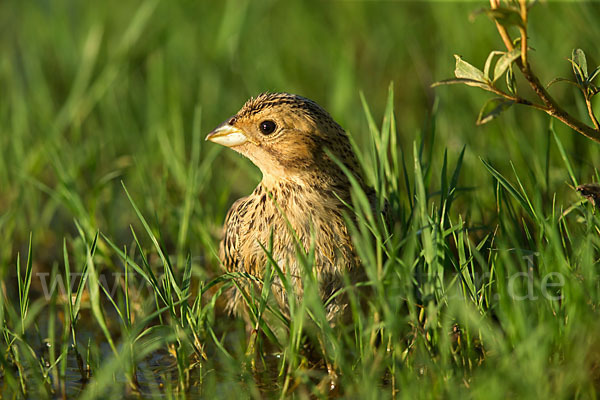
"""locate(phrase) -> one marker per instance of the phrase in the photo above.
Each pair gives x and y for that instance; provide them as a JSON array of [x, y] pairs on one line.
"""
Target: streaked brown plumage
[[286, 135]]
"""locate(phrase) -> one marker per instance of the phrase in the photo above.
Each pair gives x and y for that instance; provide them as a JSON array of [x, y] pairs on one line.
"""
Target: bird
[[301, 199]]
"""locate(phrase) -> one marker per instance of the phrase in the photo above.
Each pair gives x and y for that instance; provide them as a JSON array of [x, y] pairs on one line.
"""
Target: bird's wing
[[230, 245]]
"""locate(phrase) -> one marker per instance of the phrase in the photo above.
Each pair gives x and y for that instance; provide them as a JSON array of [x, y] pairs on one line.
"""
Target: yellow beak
[[227, 135]]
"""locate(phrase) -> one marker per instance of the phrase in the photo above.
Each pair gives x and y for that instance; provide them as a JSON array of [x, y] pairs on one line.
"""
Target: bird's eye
[[267, 127]]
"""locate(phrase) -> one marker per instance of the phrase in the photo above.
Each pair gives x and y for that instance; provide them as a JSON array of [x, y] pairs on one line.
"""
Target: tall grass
[[111, 206]]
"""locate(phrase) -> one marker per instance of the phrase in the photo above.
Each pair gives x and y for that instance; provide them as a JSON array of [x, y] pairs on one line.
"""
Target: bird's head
[[285, 135]]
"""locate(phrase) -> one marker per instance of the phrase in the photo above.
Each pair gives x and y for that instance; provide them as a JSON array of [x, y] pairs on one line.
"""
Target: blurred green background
[[93, 93]]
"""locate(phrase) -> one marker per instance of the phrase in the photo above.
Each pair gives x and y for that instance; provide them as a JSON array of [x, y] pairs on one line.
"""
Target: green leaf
[[577, 72], [578, 57], [187, 277], [467, 71], [559, 79], [505, 61], [93, 287], [468, 82], [511, 82], [563, 154], [492, 108], [488, 62], [579, 64], [421, 195], [594, 74], [508, 186], [164, 258]]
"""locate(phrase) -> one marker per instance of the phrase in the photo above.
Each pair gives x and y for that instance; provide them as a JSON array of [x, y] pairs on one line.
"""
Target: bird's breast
[[285, 220]]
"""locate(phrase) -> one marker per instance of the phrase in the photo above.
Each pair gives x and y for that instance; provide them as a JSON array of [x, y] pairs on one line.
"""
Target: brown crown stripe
[[266, 100]]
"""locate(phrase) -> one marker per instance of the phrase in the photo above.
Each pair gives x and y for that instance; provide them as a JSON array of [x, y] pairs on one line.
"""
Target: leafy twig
[[470, 75], [552, 107]]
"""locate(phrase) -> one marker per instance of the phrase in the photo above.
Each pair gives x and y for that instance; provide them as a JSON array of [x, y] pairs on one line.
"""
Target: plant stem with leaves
[[504, 17]]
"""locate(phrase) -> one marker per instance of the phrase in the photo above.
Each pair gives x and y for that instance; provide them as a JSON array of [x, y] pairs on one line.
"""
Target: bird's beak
[[227, 135]]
